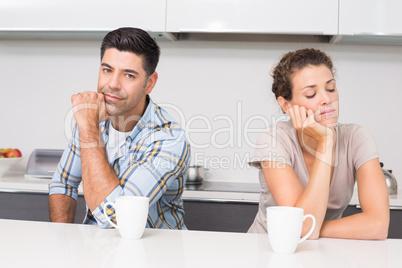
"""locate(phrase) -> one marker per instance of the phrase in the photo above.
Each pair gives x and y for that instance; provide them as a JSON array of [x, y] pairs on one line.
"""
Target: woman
[[312, 162]]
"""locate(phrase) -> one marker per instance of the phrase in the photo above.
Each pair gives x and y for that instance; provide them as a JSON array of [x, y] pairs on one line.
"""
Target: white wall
[[224, 83]]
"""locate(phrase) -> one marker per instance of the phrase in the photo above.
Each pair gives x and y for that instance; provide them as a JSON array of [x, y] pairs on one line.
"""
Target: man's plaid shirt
[[153, 162]]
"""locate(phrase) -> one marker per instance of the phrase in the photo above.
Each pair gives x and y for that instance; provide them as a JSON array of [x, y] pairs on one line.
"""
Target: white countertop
[[44, 244], [17, 182]]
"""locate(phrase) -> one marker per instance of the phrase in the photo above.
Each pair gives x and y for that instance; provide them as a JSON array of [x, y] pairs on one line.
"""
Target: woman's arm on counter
[[373, 221]]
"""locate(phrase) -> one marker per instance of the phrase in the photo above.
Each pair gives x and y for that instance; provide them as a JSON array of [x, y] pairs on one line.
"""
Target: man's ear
[[151, 82], [285, 105]]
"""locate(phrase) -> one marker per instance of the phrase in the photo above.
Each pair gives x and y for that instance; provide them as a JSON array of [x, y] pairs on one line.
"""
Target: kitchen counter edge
[[17, 183]]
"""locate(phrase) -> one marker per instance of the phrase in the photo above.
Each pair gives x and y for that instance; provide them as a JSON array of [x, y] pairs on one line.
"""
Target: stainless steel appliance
[[195, 175], [391, 180], [42, 163]]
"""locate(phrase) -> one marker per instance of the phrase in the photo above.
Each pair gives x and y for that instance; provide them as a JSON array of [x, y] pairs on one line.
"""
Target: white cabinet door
[[81, 15], [253, 16], [367, 17]]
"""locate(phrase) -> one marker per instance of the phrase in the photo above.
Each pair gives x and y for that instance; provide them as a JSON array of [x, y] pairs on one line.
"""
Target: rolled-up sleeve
[[67, 176]]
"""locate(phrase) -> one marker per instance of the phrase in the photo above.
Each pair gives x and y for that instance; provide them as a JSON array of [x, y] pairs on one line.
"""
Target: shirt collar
[[146, 117]]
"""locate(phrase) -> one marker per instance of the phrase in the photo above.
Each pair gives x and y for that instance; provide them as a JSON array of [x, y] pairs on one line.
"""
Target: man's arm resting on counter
[[62, 208]]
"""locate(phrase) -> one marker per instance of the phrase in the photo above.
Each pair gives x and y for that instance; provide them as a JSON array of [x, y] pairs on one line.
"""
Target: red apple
[[13, 153]]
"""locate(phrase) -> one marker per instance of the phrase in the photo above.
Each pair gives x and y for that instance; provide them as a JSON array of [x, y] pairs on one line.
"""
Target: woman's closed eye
[[310, 96]]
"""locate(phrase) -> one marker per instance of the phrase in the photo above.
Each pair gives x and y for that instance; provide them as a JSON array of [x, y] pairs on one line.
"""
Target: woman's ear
[[285, 105]]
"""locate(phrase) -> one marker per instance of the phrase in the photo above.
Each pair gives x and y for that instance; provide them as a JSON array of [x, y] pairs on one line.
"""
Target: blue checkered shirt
[[152, 162]]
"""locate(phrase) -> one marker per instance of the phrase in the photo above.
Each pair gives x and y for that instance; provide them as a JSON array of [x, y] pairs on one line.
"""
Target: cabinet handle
[[223, 30], [379, 34]]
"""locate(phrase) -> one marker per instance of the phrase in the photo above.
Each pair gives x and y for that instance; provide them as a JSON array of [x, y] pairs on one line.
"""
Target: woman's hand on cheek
[[304, 121], [298, 115]]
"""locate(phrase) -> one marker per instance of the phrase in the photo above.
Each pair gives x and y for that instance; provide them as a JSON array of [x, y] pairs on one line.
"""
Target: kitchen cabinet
[[238, 217], [199, 215], [32, 207], [258, 16], [362, 17], [219, 216], [395, 225], [75, 18], [372, 22]]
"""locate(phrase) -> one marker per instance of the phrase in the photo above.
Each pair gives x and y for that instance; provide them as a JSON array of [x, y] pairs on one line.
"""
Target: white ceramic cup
[[131, 215], [284, 226]]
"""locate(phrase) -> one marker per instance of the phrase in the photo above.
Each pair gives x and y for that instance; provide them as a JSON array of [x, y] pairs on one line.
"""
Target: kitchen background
[[217, 88], [220, 88]]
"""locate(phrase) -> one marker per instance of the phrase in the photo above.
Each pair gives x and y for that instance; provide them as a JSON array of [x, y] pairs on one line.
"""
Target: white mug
[[284, 226], [131, 215]]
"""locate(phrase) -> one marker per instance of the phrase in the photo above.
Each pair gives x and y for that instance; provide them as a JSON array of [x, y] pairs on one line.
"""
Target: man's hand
[[89, 109]]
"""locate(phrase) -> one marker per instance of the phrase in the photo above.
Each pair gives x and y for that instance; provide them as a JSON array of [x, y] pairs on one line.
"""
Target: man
[[123, 143]]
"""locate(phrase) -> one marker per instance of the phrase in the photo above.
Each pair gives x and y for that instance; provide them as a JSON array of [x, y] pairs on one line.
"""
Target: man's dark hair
[[136, 41]]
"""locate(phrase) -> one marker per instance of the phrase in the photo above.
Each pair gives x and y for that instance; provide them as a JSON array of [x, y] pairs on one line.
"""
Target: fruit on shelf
[[8, 158], [4, 151], [10, 153]]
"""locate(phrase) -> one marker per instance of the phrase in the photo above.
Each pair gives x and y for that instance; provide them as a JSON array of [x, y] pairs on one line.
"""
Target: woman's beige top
[[355, 146]]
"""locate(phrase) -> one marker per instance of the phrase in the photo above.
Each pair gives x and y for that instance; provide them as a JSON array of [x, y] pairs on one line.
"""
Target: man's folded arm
[[150, 176]]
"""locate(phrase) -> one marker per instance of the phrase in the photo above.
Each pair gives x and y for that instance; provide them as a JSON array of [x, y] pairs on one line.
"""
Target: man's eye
[[130, 76], [331, 90], [107, 70], [310, 96]]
